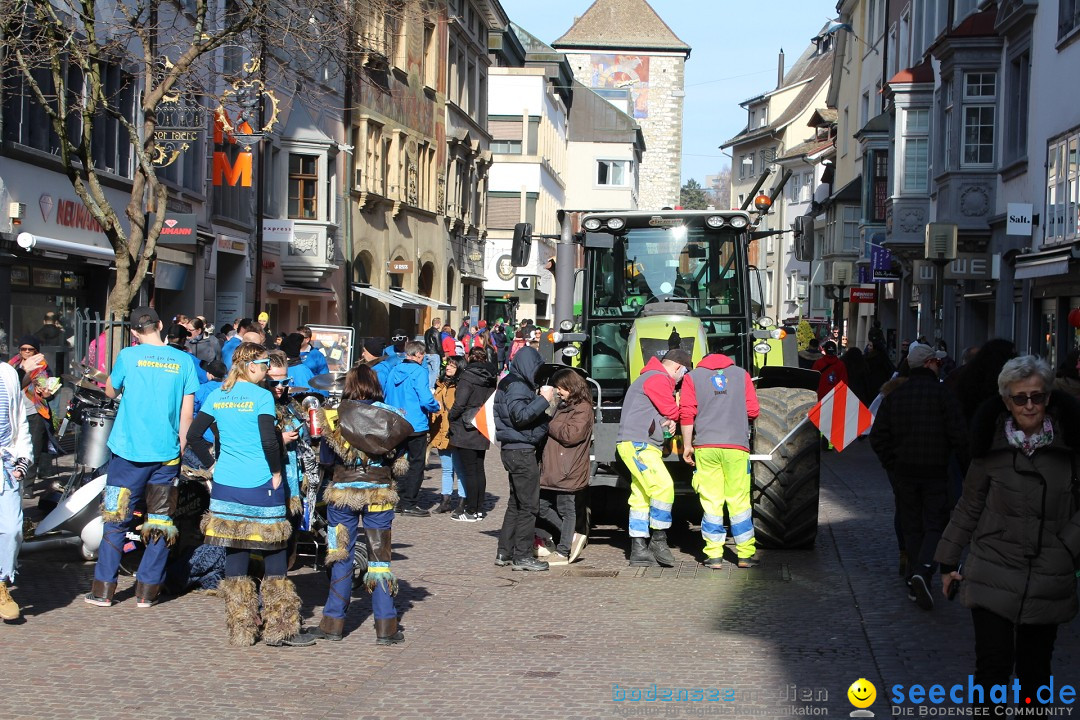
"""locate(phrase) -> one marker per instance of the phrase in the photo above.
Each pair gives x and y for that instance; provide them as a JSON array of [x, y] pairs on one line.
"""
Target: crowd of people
[[983, 460], [982, 457]]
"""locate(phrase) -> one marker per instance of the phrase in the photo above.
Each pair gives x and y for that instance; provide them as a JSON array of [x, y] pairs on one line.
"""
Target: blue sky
[[733, 57]]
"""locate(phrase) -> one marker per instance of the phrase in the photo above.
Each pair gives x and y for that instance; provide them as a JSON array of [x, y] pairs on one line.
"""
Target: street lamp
[[834, 290], [940, 249]]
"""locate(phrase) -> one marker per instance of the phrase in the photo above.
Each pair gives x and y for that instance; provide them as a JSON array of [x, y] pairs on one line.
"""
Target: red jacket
[[832, 371]]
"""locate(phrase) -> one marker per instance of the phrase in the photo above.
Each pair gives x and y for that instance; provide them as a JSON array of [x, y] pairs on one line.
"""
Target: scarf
[[1028, 444]]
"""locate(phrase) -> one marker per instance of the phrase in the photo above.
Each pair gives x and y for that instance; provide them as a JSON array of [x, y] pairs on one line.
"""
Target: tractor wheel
[[786, 488]]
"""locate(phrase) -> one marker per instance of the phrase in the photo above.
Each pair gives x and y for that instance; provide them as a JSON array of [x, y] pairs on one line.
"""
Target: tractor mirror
[[522, 245], [804, 238]]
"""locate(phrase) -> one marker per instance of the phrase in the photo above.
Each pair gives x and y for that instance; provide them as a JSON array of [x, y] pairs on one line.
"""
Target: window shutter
[[503, 212]]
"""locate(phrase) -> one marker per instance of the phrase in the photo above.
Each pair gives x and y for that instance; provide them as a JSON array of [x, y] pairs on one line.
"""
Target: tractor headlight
[[616, 223], [570, 351], [739, 222], [566, 325], [762, 348], [715, 221], [592, 224]]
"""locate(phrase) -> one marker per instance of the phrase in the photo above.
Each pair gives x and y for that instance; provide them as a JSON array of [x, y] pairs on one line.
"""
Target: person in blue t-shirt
[[247, 502], [311, 355], [147, 440], [232, 343], [215, 373]]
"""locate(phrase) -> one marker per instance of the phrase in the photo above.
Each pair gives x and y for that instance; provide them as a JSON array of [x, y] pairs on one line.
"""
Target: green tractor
[[657, 280]]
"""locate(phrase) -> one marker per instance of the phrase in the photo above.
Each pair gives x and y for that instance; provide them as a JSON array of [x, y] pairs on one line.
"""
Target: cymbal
[[91, 373], [82, 382], [330, 382]]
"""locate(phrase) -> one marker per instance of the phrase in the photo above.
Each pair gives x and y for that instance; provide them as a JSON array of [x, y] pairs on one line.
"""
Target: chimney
[[780, 69]]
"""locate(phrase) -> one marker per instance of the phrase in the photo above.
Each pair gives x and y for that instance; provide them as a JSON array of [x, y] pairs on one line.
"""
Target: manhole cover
[[582, 572], [545, 636], [542, 673], [454, 580]]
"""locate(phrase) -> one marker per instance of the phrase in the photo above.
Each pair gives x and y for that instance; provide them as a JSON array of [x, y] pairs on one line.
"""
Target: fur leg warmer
[[281, 610], [241, 610]]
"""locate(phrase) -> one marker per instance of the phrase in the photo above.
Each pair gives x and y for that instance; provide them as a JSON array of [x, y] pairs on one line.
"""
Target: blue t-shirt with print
[[154, 380], [241, 462]]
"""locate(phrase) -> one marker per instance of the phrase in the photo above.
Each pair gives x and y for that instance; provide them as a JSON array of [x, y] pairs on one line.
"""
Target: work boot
[[9, 609], [639, 553], [659, 548], [387, 631], [329, 629], [443, 506], [241, 610]]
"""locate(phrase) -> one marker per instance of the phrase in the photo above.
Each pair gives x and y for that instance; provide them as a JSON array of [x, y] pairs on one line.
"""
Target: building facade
[[626, 53]]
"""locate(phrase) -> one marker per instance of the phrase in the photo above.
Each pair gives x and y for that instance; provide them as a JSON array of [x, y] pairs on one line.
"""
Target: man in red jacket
[[832, 369], [649, 413], [715, 406]]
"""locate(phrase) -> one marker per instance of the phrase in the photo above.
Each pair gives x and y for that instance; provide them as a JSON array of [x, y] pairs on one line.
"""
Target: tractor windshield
[[655, 264]]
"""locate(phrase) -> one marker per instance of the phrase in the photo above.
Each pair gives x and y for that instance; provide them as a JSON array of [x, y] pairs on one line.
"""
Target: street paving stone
[[785, 639]]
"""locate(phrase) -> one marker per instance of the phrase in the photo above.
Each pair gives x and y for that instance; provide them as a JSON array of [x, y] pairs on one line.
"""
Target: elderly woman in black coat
[[1020, 517]]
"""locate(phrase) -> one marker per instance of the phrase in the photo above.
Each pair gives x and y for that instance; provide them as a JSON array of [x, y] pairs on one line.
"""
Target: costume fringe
[[337, 545], [122, 513], [296, 505], [241, 610], [281, 610], [386, 580], [337, 442], [359, 498], [245, 534], [197, 473], [401, 466], [152, 531]]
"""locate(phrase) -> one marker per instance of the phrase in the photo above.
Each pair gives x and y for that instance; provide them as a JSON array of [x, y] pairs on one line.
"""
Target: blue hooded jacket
[[407, 388]]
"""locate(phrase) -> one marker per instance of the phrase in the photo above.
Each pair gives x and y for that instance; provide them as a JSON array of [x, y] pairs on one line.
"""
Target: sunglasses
[[27, 349], [284, 382], [265, 362], [1038, 398]]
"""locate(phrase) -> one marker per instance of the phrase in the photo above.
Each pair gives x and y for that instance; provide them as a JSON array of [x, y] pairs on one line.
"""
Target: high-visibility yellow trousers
[[651, 489], [722, 476]]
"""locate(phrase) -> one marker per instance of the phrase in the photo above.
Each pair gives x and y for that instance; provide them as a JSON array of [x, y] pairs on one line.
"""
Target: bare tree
[[52, 52]]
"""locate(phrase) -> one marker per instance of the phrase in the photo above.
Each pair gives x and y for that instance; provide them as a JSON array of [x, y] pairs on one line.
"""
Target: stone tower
[[629, 55]]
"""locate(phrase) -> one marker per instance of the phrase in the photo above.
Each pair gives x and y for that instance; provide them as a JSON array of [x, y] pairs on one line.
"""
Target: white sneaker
[[577, 545], [557, 558]]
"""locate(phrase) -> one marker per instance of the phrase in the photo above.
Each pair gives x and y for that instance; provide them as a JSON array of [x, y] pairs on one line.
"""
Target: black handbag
[[371, 429]]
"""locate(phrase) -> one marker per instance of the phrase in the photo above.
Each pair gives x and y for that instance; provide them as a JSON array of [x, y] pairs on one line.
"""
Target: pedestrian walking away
[[16, 454], [716, 405], [475, 386], [649, 417], [248, 500], [522, 411], [158, 385], [565, 464], [1019, 518], [407, 389], [918, 426], [359, 444]]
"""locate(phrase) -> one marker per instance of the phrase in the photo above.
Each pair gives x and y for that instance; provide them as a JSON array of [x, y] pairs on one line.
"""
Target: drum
[[92, 450]]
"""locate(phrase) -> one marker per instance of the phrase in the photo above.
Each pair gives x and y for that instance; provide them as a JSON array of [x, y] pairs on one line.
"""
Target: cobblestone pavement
[[484, 642]]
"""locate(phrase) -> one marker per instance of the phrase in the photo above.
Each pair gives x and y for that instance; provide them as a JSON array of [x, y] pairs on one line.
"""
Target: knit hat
[[375, 346], [31, 341], [291, 345]]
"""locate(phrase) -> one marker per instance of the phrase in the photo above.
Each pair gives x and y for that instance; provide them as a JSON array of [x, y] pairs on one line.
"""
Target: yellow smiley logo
[[862, 693]]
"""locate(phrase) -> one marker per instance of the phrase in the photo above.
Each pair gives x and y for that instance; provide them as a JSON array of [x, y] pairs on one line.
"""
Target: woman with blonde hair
[[247, 502]]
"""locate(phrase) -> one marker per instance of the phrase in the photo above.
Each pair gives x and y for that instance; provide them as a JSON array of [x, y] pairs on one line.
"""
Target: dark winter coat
[[1021, 517], [565, 462], [205, 347], [474, 387], [918, 425], [521, 417]]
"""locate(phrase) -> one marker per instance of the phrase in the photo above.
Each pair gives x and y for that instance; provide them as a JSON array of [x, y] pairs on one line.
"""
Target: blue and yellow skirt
[[247, 518]]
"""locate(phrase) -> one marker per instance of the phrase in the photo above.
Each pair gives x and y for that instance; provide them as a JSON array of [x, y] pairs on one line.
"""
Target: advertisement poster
[[336, 343]]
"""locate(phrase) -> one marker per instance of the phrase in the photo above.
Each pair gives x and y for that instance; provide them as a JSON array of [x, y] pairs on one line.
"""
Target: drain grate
[[542, 673], [545, 636], [586, 572]]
